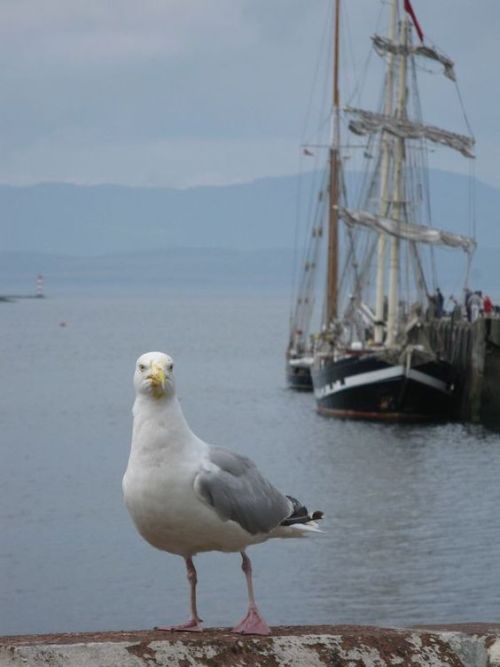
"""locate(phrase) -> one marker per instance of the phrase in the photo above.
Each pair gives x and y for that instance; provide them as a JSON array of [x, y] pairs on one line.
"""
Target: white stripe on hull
[[371, 377]]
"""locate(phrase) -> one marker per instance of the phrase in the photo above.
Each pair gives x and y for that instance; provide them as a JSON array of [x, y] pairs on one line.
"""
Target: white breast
[[158, 486], [170, 515]]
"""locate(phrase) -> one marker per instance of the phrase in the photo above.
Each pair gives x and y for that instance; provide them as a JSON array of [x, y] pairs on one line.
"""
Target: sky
[[182, 93]]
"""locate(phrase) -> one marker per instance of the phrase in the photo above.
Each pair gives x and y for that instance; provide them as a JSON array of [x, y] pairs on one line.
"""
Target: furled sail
[[368, 121], [409, 232], [383, 45]]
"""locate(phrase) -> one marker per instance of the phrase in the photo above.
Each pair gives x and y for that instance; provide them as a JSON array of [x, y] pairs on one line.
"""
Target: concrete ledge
[[471, 645]]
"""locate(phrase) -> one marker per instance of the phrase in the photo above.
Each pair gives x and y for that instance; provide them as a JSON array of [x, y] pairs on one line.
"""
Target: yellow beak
[[158, 379]]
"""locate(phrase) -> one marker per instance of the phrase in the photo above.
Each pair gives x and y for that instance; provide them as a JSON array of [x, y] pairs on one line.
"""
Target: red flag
[[409, 9]]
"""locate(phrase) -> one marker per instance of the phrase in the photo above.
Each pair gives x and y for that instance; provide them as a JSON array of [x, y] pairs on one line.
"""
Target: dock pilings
[[474, 351]]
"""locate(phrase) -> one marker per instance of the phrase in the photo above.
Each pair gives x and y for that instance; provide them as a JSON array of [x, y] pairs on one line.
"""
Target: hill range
[[236, 235]]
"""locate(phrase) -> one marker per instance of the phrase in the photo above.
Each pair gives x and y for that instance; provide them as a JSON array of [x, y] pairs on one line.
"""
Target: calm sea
[[412, 527]]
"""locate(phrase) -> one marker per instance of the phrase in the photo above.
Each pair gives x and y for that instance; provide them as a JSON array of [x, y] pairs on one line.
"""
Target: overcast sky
[[190, 92]]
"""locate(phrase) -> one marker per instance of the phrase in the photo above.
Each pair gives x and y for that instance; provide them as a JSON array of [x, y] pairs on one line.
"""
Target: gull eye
[[170, 366], [141, 367]]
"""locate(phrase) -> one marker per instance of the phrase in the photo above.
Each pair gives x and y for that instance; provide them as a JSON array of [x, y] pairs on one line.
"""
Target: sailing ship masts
[[397, 204], [383, 46], [407, 231], [381, 244], [334, 188], [368, 121], [336, 52], [384, 186]]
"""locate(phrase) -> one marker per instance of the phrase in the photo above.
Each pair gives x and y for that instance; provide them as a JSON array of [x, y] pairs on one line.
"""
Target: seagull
[[187, 497]]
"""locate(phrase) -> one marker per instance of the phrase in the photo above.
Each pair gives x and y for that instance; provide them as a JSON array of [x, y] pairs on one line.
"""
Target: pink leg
[[194, 623], [253, 623]]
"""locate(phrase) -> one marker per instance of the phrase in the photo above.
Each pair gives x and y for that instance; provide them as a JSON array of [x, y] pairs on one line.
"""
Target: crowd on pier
[[473, 306]]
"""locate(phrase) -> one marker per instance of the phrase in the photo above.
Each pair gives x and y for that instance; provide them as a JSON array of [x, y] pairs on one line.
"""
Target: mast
[[334, 189], [384, 185], [398, 202]]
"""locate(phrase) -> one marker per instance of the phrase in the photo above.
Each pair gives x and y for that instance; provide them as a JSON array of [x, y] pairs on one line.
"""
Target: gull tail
[[300, 520]]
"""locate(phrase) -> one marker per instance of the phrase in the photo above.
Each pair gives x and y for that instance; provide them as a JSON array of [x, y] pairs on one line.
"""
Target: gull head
[[154, 375]]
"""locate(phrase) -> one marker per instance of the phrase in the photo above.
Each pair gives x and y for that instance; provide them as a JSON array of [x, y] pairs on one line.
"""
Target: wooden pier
[[474, 351]]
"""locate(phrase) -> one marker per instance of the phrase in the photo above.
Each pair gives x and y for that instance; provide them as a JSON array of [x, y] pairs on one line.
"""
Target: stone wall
[[470, 645]]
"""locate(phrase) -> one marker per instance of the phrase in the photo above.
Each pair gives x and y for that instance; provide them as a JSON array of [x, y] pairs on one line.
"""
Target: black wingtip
[[300, 514]]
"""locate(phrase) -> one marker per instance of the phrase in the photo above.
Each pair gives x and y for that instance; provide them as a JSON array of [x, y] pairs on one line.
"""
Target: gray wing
[[238, 491]]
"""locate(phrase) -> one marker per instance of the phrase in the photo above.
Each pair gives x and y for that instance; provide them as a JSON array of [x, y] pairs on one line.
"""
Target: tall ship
[[371, 356]]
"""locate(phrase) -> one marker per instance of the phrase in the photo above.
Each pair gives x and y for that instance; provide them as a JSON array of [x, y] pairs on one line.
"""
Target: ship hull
[[367, 387]]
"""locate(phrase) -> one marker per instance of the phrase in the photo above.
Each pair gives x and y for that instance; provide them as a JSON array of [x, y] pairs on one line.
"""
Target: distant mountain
[[238, 235], [109, 219]]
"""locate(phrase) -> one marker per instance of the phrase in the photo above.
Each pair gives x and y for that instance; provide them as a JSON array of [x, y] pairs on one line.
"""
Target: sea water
[[412, 513]]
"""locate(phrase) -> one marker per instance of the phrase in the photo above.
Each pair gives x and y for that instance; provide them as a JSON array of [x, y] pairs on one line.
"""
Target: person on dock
[[456, 310], [488, 312], [439, 303], [475, 304], [467, 296]]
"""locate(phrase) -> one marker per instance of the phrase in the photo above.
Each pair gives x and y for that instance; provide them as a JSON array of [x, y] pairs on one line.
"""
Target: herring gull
[[186, 496]]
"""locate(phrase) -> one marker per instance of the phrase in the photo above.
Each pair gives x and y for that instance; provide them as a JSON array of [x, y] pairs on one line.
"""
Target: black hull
[[299, 377], [367, 387]]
